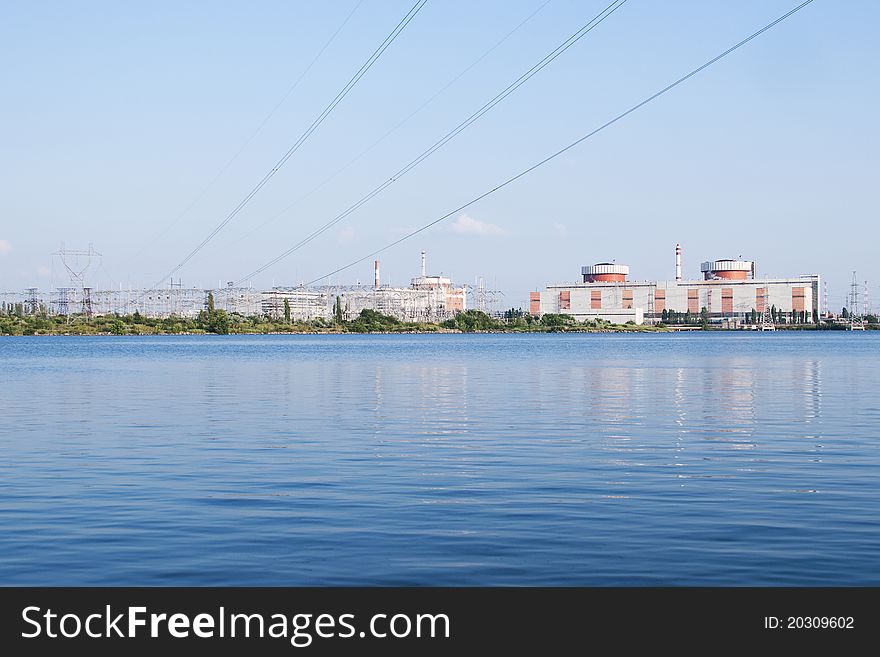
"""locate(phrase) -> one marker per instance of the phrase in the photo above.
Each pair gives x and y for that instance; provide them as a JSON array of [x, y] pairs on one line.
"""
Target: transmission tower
[[32, 305], [856, 321], [87, 302], [484, 299], [63, 303], [77, 263]]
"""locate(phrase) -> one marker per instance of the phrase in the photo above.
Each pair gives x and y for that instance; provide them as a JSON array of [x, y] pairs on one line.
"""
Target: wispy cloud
[[5, 247], [466, 225], [560, 230]]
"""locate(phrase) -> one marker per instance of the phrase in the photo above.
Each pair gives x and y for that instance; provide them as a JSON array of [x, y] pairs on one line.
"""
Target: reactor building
[[729, 289], [429, 298]]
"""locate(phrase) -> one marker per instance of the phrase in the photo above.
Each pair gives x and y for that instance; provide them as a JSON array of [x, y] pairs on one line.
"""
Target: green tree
[[210, 303], [472, 320], [218, 322], [704, 317], [286, 311], [372, 320], [337, 309], [557, 320]]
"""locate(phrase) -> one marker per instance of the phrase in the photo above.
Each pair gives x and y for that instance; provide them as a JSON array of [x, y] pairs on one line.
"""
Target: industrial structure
[[77, 298], [429, 298], [729, 291], [857, 318]]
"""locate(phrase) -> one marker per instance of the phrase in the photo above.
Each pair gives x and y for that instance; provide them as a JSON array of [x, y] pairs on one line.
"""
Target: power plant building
[[429, 298], [728, 289], [453, 299]]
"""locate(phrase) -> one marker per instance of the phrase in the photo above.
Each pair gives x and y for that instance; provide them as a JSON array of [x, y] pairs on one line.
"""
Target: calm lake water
[[691, 459]]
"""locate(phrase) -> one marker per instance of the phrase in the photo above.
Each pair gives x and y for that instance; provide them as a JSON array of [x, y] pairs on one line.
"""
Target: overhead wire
[[513, 86], [253, 135], [396, 127], [570, 146], [366, 66]]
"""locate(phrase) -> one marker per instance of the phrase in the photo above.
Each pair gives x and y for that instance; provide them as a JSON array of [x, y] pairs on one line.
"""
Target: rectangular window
[[595, 299]]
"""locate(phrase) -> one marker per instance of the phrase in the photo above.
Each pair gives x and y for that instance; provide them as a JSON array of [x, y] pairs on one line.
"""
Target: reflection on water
[[484, 459], [812, 389]]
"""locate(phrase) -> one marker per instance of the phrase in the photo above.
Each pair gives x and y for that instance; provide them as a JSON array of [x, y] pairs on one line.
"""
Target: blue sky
[[116, 116]]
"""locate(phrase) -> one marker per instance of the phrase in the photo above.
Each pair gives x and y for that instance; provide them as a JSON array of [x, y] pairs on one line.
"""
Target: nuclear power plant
[[428, 298], [729, 290]]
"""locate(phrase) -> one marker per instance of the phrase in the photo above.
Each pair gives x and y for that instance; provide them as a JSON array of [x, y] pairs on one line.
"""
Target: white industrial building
[[728, 290]]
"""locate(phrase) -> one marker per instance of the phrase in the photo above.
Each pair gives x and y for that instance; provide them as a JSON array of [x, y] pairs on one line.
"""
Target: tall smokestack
[[678, 262], [376, 274], [424, 265]]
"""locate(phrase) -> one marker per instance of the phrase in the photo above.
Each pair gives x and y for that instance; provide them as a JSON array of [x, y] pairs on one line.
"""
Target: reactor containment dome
[[732, 270], [605, 272]]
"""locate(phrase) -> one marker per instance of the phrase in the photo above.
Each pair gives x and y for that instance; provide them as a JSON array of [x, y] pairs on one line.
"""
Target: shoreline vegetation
[[219, 322]]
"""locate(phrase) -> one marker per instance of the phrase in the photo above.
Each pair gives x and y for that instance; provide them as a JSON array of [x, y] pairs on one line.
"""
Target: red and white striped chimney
[[376, 274], [678, 262]]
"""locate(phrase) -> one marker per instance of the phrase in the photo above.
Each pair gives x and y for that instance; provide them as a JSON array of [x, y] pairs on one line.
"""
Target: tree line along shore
[[15, 321], [222, 323]]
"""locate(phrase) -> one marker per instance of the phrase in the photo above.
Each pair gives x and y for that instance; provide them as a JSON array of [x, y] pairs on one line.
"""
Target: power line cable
[[414, 10], [399, 125], [513, 86], [253, 135], [565, 149]]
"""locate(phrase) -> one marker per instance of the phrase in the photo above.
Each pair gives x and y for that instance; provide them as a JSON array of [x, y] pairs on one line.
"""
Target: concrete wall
[[723, 298], [578, 302]]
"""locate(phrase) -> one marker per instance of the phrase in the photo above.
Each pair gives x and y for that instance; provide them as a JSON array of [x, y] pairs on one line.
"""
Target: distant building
[[427, 299], [453, 299], [728, 290]]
